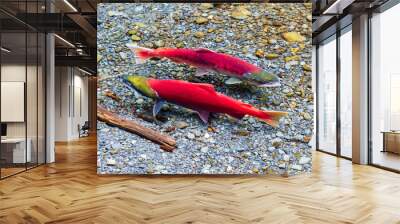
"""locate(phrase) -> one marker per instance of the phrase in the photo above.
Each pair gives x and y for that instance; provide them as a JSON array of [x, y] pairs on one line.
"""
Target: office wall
[[71, 102], [16, 72], [61, 103], [80, 103]]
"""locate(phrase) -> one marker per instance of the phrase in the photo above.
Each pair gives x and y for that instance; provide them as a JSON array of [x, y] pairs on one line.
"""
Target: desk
[[391, 141], [17, 150]]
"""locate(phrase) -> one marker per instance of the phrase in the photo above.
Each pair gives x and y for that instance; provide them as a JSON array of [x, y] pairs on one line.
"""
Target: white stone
[[304, 160], [111, 162], [204, 149], [297, 167], [122, 54], [159, 168], [206, 169], [286, 157], [139, 101], [190, 135]]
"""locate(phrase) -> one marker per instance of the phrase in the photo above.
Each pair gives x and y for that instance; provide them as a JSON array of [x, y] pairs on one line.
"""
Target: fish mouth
[[125, 80], [140, 84], [273, 84], [130, 86]]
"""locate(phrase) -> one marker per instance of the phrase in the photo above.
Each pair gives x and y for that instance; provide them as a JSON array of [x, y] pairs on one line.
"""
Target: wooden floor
[[5, 172], [387, 159], [70, 191]]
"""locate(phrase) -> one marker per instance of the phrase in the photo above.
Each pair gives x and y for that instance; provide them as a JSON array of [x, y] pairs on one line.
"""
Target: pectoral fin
[[233, 81], [204, 115], [201, 72], [139, 61], [157, 107]]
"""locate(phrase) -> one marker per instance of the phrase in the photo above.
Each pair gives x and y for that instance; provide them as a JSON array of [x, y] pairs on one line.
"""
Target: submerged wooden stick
[[166, 142]]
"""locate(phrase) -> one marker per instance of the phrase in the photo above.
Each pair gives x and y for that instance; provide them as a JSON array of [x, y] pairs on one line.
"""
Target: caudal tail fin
[[141, 53], [271, 117]]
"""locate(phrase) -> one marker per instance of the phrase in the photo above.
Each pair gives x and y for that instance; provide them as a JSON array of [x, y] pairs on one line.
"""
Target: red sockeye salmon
[[199, 97], [206, 60]]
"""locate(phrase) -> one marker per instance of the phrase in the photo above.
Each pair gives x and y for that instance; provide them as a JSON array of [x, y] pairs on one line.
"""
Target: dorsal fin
[[204, 50], [206, 86], [246, 105]]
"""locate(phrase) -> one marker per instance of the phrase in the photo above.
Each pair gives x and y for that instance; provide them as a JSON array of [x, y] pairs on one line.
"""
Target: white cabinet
[[18, 149]]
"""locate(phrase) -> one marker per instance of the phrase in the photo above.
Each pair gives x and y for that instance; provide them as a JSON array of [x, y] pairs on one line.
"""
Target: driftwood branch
[[112, 95], [166, 142]]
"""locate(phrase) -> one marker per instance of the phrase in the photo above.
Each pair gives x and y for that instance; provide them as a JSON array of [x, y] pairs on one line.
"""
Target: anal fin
[[201, 72], [157, 106], [204, 115], [139, 60]]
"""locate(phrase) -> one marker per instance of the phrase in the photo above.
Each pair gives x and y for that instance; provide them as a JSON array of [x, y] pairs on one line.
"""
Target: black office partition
[[22, 77]]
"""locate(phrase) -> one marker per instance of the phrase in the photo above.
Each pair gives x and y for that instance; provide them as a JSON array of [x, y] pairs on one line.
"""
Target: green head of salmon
[[263, 79], [141, 84]]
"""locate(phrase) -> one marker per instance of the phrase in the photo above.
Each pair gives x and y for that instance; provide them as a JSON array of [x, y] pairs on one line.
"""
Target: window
[[327, 96], [385, 89], [346, 93]]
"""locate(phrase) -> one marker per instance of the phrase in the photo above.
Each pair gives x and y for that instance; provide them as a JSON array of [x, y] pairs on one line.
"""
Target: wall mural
[[204, 88]]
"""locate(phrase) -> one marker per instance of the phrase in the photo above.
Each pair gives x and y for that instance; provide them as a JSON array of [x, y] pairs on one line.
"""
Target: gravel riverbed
[[276, 37]]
